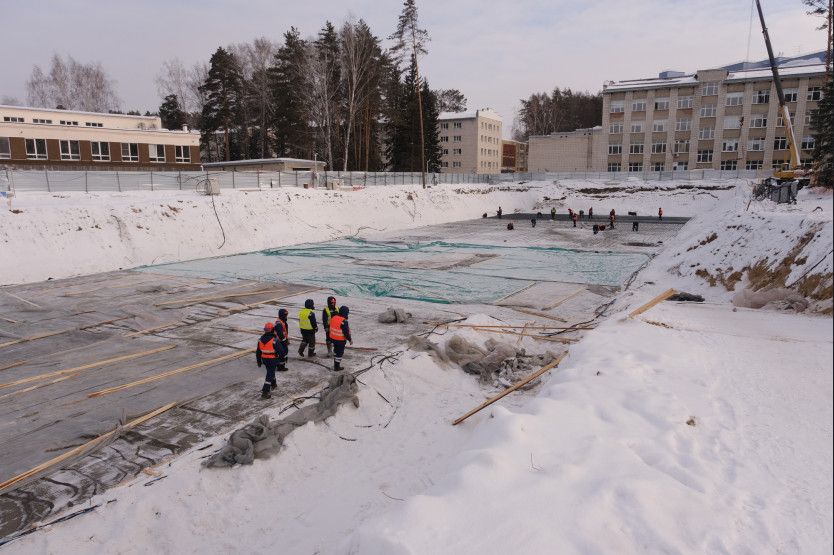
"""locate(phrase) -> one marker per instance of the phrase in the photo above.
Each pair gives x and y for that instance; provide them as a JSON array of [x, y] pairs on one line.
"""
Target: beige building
[[513, 157], [582, 150], [471, 142], [722, 119], [37, 138]]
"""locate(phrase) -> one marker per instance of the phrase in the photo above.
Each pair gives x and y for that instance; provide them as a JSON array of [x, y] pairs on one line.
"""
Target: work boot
[[301, 349], [329, 350], [266, 395], [337, 366], [311, 353], [274, 385]]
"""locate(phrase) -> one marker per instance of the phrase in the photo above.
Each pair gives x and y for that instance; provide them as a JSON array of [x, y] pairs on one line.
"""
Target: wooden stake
[[513, 388], [523, 333], [151, 329], [85, 367], [219, 297], [166, 374], [270, 300], [81, 448], [549, 317], [572, 295], [656, 300], [529, 327]]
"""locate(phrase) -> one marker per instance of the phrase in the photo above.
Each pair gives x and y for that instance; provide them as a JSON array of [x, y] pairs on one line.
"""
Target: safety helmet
[[331, 301], [268, 327]]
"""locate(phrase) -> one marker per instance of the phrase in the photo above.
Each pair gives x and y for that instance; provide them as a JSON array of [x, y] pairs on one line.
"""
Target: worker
[[308, 326], [553, 213], [329, 312], [339, 335], [283, 334], [510, 226], [591, 213], [660, 213], [611, 220], [574, 219], [269, 350], [581, 214], [570, 214], [635, 226], [500, 212], [533, 222], [485, 215], [596, 229], [539, 215]]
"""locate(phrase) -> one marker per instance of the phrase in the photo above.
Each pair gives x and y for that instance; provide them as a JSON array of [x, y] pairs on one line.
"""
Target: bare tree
[[359, 50], [823, 9], [175, 78], [10, 101], [322, 94], [255, 60], [72, 85]]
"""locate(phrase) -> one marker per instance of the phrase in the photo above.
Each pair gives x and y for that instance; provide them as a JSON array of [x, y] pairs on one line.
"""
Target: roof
[[261, 161], [79, 112], [471, 114]]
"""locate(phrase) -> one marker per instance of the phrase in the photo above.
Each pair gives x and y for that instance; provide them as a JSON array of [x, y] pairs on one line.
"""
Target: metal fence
[[95, 181]]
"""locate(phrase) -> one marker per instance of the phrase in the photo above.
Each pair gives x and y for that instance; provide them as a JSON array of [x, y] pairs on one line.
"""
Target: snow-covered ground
[[690, 428]]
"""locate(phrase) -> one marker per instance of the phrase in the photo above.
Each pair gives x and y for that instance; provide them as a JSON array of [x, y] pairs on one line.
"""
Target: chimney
[[185, 128]]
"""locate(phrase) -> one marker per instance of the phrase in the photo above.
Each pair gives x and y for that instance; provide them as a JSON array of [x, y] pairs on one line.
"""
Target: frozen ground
[[686, 429]]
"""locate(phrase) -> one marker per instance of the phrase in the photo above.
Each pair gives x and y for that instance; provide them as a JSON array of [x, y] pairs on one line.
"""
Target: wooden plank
[[152, 329], [34, 337], [19, 299], [81, 448], [656, 300], [545, 337], [572, 295], [525, 288], [171, 373], [549, 317], [511, 389], [8, 320], [529, 327], [102, 323], [39, 385], [271, 300], [12, 365], [521, 336], [220, 297], [85, 367]]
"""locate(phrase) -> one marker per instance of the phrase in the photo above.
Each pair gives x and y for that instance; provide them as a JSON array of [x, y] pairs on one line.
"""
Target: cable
[[204, 184], [811, 268]]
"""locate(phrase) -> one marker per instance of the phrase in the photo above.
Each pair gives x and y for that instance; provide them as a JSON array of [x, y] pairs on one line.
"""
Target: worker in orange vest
[[269, 350], [339, 335], [574, 219], [660, 213], [327, 313], [282, 332]]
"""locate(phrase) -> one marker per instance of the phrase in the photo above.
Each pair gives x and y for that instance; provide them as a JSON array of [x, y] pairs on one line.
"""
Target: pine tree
[[289, 124], [172, 116], [223, 90], [823, 124]]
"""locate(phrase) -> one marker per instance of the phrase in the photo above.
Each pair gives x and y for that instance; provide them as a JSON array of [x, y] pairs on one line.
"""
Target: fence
[[96, 181]]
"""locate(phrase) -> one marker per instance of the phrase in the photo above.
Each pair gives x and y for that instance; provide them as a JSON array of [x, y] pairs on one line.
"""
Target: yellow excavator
[[790, 170]]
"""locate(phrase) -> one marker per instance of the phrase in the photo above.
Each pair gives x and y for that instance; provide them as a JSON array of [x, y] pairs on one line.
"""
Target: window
[[682, 147], [617, 106], [657, 166], [732, 122], [130, 152], [36, 149], [615, 166], [615, 127], [70, 150], [729, 164], [683, 124], [682, 166], [92, 124], [814, 93], [753, 165], [780, 143], [456, 151], [615, 148], [638, 126], [661, 103], [457, 138], [706, 133], [444, 164], [684, 102], [757, 144], [444, 139], [808, 143], [455, 164], [659, 148], [457, 124], [635, 166], [39, 120], [635, 148], [5, 148], [65, 122], [708, 110], [761, 97], [759, 120], [156, 153], [790, 94], [660, 125], [12, 119], [729, 145], [101, 151], [735, 99], [809, 117], [704, 156], [710, 88], [182, 154], [638, 105], [780, 120], [444, 126]]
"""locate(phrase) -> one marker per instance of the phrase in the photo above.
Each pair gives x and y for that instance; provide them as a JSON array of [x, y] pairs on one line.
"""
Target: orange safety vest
[[574, 216], [336, 332], [284, 327], [267, 349]]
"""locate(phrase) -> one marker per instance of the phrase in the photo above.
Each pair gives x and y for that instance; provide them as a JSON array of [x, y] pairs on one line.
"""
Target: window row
[[100, 150], [455, 125], [43, 121], [727, 145], [710, 89]]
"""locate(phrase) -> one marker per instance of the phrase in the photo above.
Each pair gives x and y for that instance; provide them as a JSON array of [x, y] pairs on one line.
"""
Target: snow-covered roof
[[471, 114]]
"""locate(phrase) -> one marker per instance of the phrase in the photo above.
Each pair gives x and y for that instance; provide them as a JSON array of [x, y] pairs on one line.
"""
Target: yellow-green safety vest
[[304, 319]]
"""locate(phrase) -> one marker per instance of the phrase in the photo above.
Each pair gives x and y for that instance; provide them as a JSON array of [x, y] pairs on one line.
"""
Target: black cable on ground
[[811, 268]]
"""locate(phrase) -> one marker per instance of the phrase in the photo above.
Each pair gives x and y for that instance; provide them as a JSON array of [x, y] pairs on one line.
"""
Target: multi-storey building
[[513, 157], [36, 138], [726, 118], [582, 150], [471, 141]]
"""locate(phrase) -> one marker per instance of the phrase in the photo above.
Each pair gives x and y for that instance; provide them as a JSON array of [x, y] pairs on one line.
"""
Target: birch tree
[[360, 50]]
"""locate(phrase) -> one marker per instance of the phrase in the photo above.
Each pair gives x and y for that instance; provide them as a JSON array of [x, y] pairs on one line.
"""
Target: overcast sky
[[495, 52]]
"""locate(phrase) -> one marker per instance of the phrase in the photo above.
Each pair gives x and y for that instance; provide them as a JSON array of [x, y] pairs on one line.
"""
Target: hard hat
[[268, 327]]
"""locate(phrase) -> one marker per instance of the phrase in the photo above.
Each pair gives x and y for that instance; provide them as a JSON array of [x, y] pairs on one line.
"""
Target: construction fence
[[21, 181]]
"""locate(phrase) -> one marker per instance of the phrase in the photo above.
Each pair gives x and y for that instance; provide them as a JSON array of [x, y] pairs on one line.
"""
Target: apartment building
[[723, 119], [582, 150], [513, 157], [37, 138], [471, 142]]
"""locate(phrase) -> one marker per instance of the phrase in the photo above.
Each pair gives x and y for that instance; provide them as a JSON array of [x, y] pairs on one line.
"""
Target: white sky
[[495, 53]]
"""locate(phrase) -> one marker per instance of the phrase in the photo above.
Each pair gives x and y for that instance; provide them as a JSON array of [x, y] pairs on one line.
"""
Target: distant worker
[[329, 312], [611, 220], [596, 229], [283, 334], [612, 213], [500, 212], [533, 222], [660, 213], [591, 213], [575, 216], [553, 213], [539, 214], [510, 226], [581, 214], [308, 326], [602, 227], [485, 215], [339, 335], [269, 350], [635, 226], [570, 213]]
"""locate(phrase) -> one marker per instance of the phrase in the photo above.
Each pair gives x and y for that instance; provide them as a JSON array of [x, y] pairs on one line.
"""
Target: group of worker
[[273, 346]]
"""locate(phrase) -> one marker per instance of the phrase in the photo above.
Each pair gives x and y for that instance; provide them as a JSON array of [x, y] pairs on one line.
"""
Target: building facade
[[513, 157], [582, 150], [470, 142], [722, 119], [36, 138]]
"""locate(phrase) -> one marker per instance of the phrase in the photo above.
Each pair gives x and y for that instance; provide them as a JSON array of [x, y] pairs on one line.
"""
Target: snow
[[691, 428]]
